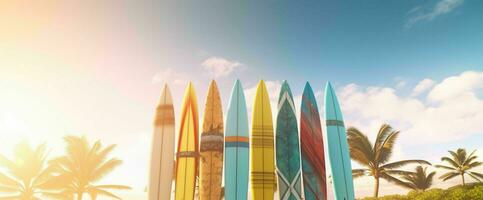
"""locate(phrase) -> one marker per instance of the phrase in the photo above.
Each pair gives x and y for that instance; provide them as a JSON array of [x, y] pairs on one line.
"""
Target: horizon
[[97, 69]]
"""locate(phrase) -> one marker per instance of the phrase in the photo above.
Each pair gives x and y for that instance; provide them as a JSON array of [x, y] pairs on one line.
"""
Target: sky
[[97, 68]]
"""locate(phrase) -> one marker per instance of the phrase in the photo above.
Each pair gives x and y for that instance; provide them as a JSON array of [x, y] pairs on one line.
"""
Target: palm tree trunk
[[376, 188], [463, 178], [79, 195]]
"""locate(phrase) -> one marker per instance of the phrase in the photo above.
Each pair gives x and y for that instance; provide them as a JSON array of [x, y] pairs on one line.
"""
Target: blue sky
[[364, 41], [97, 68]]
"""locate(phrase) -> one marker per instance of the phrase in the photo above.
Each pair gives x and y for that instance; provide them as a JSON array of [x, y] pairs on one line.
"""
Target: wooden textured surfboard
[[287, 147], [262, 172], [162, 150], [187, 152], [211, 147], [339, 156], [236, 146], [312, 146]]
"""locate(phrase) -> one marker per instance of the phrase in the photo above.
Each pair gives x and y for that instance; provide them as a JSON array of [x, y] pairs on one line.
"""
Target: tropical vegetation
[[468, 192], [460, 164], [29, 176], [83, 166], [375, 157], [419, 180]]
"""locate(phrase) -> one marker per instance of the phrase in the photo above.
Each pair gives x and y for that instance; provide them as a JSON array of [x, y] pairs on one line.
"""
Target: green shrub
[[470, 192]]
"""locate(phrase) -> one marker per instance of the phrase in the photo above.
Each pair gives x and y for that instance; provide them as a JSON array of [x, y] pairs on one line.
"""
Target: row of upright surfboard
[[285, 160]]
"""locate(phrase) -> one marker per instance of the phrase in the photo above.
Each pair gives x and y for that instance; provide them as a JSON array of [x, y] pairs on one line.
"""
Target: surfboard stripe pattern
[[211, 147], [287, 147], [187, 150], [262, 174], [312, 146], [236, 146]]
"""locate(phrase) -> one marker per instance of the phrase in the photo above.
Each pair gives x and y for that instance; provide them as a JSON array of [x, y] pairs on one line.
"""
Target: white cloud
[[169, 75], [451, 111], [219, 67], [423, 86], [443, 7], [456, 87]]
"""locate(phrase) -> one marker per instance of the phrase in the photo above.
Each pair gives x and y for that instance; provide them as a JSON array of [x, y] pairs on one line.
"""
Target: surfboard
[[211, 146], [187, 151], [236, 146], [162, 149], [340, 160], [262, 163], [312, 147], [287, 147]]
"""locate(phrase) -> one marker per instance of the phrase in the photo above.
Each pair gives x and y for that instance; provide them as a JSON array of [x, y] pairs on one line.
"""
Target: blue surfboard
[[236, 146], [339, 156]]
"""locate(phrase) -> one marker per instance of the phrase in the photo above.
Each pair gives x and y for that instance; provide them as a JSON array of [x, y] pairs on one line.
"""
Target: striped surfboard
[[262, 164], [312, 145], [236, 146]]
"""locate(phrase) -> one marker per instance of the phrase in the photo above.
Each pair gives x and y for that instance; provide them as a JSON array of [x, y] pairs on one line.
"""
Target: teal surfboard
[[312, 148], [287, 147], [236, 146], [340, 160]]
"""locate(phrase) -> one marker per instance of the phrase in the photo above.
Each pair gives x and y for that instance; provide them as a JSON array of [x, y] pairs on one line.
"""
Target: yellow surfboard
[[187, 153], [262, 163], [211, 146]]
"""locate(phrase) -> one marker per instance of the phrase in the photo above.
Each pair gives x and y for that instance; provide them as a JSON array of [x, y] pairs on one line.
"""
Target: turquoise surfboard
[[287, 147], [340, 160], [236, 146]]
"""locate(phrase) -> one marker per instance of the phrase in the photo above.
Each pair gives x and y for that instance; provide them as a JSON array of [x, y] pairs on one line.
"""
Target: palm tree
[[460, 164], [375, 157], [419, 180], [29, 176], [83, 166]]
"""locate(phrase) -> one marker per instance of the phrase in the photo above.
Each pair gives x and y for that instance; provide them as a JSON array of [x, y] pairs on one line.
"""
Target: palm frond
[[430, 178], [44, 175], [115, 187], [382, 134], [397, 172], [356, 173], [452, 162], [104, 169], [474, 164], [401, 163], [479, 175], [461, 155], [96, 192], [7, 181], [470, 158], [394, 180], [385, 150], [445, 167], [100, 156], [474, 177], [449, 175], [360, 147]]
